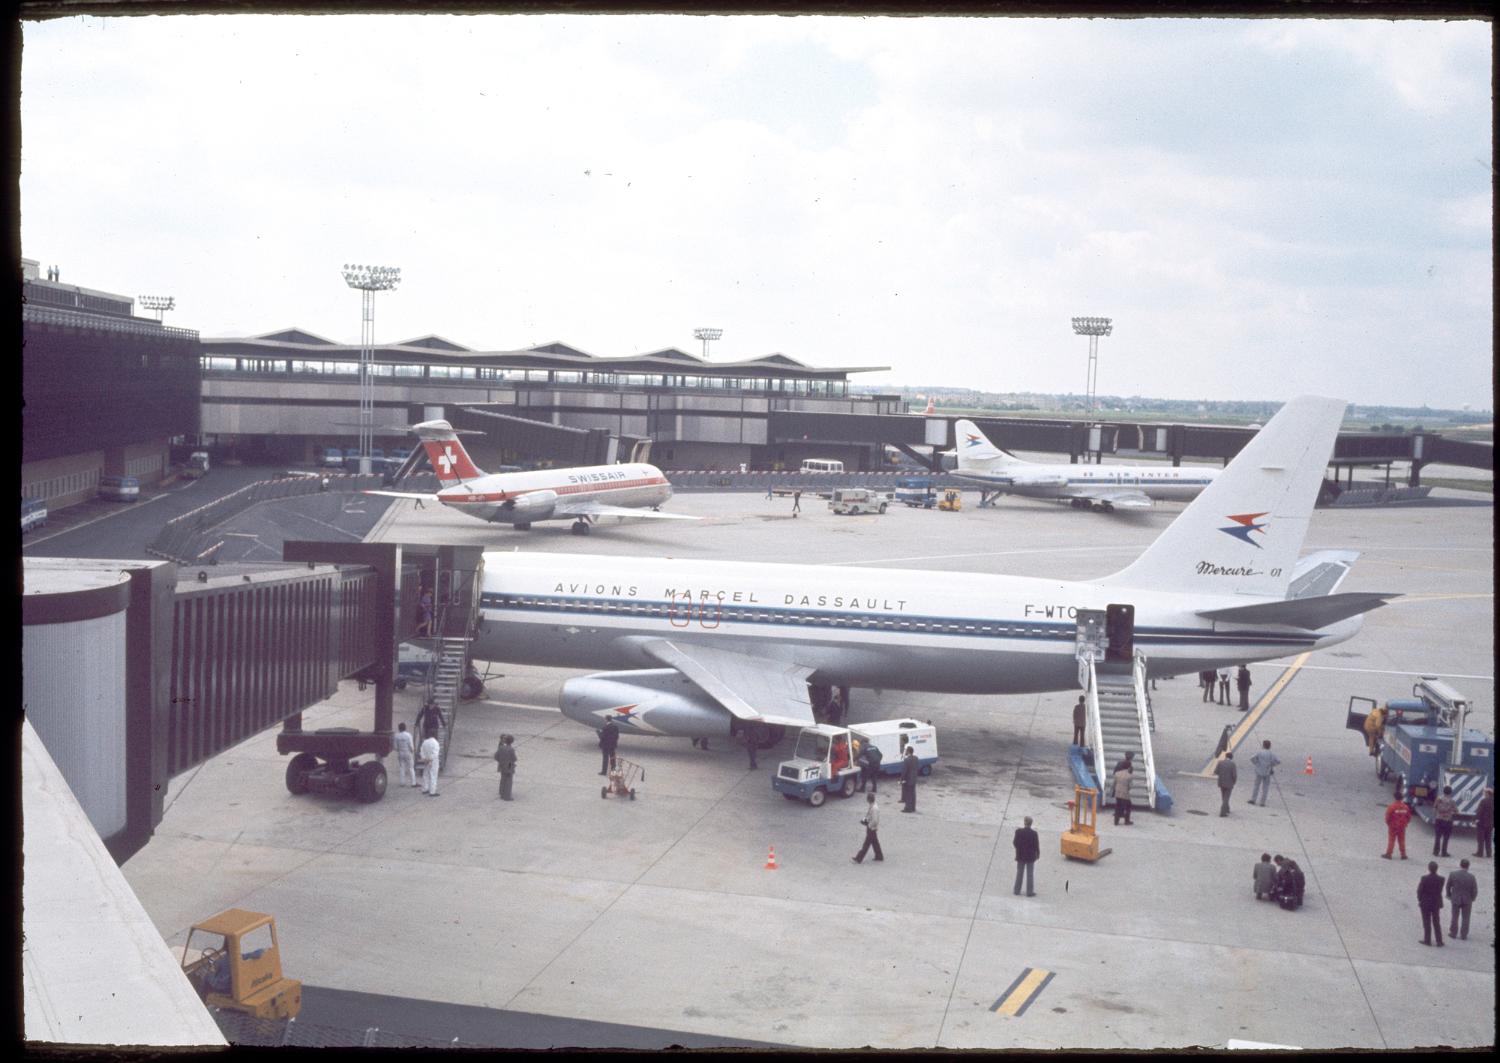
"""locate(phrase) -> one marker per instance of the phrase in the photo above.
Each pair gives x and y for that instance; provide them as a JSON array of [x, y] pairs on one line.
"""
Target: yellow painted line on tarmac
[[1252, 717], [1026, 988]]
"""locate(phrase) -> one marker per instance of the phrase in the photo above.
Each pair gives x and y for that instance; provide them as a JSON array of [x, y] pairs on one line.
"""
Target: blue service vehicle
[[916, 491], [1426, 746], [824, 760], [33, 514]]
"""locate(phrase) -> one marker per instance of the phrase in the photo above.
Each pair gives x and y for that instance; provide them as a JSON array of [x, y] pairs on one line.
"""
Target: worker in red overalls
[[1397, 816]]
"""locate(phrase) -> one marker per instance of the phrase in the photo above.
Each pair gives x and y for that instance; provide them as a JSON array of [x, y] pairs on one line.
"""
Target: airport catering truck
[[916, 491], [823, 761], [1425, 744]]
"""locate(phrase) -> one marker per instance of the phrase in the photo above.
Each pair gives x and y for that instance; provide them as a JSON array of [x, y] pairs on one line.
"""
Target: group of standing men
[[1209, 679]]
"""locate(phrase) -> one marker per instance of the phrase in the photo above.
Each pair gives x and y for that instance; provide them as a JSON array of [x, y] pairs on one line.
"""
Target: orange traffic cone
[[1309, 769], [771, 860]]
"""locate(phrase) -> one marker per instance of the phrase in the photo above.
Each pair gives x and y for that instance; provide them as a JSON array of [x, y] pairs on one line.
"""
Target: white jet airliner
[[714, 645], [582, 494], [1102, 487]]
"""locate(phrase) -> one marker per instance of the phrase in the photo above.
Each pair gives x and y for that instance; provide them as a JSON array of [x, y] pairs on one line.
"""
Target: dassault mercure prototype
[[710, 647], [582, 494], [1100, 487]]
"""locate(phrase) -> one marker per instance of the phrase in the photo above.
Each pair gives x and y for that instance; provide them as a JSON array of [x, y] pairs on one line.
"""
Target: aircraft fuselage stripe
[[710, 614]]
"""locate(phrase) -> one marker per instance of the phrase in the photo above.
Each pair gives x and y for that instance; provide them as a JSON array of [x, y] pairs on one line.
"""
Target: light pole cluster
[[1093, 328], [369, 280], [707, 335], [160, 303]]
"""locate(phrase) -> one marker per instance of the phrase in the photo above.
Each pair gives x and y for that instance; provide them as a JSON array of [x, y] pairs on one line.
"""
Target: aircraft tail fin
[[975, 451], [1243, 533], [449, 458]]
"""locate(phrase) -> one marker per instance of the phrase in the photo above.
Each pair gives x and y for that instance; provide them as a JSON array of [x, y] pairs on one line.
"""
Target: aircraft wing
[[750, 688], [403, 494], [596, 509], [1119, 497]]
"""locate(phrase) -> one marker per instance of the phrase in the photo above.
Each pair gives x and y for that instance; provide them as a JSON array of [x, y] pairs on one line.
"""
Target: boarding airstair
[[1120, 721], [455, 615]]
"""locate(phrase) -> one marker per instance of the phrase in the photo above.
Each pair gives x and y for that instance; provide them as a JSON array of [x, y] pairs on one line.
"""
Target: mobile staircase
[[1120, 721], [455, 616]]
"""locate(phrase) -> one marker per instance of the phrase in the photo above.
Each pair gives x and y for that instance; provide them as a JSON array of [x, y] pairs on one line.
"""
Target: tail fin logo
[[971, 440], [1244, 524], [446, 460]]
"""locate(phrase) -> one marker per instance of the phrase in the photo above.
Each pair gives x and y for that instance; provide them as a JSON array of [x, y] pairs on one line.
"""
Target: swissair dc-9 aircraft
[[711, 646], [582, 494], [1102, 487]]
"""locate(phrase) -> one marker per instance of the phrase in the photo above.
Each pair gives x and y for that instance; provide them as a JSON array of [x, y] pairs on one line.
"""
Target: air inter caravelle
[[709, 647], [1100, 487], [582, 494]]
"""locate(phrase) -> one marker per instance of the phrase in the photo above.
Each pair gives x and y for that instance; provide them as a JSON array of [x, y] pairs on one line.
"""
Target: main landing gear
[[580, 527]]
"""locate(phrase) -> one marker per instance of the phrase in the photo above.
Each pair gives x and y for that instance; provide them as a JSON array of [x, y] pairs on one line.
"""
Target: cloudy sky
[[1265, 207]]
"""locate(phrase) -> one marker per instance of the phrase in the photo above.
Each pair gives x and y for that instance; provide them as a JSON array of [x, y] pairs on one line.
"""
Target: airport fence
[[241, 1029], [191, 538], [1378, 495]]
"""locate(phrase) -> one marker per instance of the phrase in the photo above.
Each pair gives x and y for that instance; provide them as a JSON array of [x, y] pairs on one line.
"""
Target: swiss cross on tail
[[1244, 524]]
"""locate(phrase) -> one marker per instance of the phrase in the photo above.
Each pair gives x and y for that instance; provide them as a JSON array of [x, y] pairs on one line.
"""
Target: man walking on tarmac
[[1228, 773], [872, 824], [1264, 763], [753, 734], [1397, 816], [405, 756], [609, 737]]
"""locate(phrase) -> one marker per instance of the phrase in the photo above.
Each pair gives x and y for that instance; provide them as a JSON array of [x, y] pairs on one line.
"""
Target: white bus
[[821, 465]]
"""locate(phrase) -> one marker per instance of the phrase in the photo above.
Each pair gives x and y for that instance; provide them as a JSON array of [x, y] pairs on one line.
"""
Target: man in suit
[[1228, 773], [505, 760], [1028, 848], [909, 769], [1080, 719], [1430, 900], [1264, 763], [609, 738], [1242, 680], [1462, 891], [1484, 823]]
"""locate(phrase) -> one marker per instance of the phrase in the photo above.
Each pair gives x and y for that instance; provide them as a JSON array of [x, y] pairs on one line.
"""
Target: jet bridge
[[137, 671], [1112, 675]]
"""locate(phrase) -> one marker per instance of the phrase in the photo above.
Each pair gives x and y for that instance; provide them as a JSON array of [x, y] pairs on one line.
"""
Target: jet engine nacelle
[[533, 505], [652, 701]]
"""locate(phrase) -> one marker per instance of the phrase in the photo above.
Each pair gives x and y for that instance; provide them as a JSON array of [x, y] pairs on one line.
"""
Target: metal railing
[[190, 539], [1138, 682], [1096, 726]]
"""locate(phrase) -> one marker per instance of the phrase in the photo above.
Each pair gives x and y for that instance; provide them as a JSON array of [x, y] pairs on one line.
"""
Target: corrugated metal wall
[[247, 656]]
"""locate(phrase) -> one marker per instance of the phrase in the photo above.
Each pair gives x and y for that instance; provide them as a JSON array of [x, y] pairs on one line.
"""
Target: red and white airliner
[[582, 494]]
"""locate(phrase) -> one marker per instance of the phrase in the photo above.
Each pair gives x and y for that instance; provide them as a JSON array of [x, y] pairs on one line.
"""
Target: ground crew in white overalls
[[405, 756], [429, 758]]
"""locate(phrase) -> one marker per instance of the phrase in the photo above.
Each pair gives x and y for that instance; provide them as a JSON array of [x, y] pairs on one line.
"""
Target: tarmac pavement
[[659, 914]]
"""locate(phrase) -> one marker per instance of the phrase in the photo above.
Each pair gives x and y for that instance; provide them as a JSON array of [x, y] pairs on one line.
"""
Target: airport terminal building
[[104, 391], [286, 393]]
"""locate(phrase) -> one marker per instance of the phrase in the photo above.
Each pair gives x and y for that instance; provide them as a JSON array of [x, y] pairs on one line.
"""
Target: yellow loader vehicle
[[233, 962], [952, 500]]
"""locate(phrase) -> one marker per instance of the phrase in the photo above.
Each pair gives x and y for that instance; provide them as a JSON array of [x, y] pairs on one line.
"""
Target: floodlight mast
[[1093, 328], [707, 335], [159, 303], [369, 280]]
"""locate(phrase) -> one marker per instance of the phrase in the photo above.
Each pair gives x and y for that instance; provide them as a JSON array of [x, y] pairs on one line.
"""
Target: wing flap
[[1307, 613], [403, 494], [1120, 498], [750, 688], [598, 509]]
